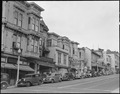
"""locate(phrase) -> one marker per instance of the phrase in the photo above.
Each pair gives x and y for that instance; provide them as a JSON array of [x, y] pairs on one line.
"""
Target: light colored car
[[53, 77], [78, 75]]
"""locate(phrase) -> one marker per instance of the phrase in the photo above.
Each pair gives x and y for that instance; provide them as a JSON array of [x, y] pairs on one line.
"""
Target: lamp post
[[19, 52]]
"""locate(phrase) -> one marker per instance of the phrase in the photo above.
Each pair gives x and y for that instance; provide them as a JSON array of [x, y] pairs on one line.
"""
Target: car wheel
[[60, 80], [4, 85], [40, 82], [28, 84], [52, 81]]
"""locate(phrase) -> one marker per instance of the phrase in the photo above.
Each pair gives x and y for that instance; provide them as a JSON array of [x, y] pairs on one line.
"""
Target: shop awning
[[25, 68], [8, 66], [47, 64]]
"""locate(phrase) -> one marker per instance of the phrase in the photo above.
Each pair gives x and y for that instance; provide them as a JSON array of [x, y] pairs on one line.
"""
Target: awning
[[12, 66], [47, 64], [9, 66], [25, 68]]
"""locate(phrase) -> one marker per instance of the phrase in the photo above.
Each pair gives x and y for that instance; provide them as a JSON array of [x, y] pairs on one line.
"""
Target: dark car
[[53, 77], [31, 79], [4, 80], [68, 76]]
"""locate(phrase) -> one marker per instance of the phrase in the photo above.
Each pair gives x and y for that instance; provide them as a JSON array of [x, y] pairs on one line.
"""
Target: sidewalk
[[11, 86], [116, 91]]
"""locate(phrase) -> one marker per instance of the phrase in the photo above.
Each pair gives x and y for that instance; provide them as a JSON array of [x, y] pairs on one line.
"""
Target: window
[[36, 46], [3, 59], [29, 20], [49, 42], [33, 24], [65, 59], [37, 24], [40, 41], [18, 41], [63, 46], [15, 17], [32, 45], [80, 54], [73, 51], [14, 37], [20, 20], [59, 58]]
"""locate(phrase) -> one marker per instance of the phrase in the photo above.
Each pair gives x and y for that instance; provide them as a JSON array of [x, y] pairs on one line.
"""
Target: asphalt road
[[103, 84]]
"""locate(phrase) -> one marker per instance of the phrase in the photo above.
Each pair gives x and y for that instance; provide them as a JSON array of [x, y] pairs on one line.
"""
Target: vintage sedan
[[53, 77], [4, 80], [30, 79], [68, 76]]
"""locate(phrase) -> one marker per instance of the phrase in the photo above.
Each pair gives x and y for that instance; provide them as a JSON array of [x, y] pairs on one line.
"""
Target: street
[[102, 84]]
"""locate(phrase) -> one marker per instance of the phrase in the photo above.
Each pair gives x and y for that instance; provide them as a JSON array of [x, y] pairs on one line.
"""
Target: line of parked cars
[[38, 79]]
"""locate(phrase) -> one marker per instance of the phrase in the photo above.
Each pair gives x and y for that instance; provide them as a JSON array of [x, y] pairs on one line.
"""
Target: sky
[[93, 24]]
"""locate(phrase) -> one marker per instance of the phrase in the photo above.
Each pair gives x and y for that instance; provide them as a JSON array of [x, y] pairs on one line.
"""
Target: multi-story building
[[114, 59], [23, 30], [74, 61], [59, 51], [85, 58]]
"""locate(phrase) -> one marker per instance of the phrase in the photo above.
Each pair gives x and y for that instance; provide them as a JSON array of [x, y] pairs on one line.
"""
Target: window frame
[[15, 17], [59, 58], [20, 17]]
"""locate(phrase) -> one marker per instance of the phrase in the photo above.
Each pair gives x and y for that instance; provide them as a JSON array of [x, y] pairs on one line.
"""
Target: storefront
[[42, 64], [9, 66], [62, 69]]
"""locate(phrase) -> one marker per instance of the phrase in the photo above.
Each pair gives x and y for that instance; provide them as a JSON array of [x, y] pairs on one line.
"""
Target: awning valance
[[25, 68], [12, 66], [8, 66]]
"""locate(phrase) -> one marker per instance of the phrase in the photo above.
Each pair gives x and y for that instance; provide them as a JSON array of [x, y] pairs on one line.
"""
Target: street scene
[[105, 84], [43, 52]]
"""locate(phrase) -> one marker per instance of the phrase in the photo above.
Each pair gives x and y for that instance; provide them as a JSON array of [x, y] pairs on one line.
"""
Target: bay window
[[36, 46], [32, 45], [33, 24], [20, 20], [15, 17]]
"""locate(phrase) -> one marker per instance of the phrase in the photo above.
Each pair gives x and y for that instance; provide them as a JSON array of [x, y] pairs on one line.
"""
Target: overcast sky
[[93, 24]]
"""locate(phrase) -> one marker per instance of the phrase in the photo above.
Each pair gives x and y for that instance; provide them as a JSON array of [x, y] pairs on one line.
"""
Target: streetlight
[[19, 52]]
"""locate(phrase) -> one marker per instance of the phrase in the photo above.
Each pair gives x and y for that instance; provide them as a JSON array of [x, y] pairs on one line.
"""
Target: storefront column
[[36, 68]]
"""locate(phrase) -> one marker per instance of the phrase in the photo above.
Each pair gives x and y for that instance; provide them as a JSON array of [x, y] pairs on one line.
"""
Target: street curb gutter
[[116, 91]]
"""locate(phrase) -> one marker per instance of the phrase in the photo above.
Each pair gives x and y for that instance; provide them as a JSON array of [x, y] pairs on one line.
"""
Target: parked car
[[68, 76], [53, 77], [4, 80], [31, 79], [78, 75], [88, 74]]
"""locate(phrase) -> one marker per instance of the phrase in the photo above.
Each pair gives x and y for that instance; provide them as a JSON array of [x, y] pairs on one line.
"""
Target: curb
[[116, 91]]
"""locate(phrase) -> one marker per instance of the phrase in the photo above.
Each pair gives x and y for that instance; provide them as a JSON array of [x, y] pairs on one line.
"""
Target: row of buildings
[[24, 29]]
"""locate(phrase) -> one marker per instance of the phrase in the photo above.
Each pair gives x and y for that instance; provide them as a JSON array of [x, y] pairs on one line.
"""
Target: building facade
[[59, 51], [21, 29]]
